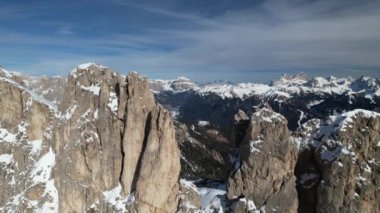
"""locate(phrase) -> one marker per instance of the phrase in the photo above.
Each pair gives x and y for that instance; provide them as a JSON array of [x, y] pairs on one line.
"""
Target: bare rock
[[190, 200], [101, 144], [124, 142], [268, 158], [25, 125], [349, 156], [240, 124]]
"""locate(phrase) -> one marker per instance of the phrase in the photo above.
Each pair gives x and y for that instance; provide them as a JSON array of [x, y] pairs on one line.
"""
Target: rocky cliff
[[265, 179], [339, 169], [105, 147]]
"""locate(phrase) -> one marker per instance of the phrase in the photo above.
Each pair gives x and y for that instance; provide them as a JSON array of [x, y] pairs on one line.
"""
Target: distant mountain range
[[285, 87], [296, 97], [101, 141]]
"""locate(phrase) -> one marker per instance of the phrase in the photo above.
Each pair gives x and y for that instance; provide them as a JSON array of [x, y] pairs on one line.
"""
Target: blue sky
[[203, 40]]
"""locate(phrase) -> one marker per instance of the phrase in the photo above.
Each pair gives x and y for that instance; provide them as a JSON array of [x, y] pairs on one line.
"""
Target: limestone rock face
[[265, 178], [93, 158], [190, 200], [349, 156], [338, 168], [103, 146], [159, 168], [26, 160]]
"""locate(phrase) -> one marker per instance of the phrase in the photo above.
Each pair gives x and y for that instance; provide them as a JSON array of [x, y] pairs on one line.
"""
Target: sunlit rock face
[[266, 174], [348, 157], [103, 145], [338, 168]]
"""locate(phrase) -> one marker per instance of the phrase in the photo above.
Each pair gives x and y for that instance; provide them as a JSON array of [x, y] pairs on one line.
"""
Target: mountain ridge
[[102, 141]]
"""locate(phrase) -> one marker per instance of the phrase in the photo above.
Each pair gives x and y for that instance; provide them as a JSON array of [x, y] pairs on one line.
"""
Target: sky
[[204, 40]]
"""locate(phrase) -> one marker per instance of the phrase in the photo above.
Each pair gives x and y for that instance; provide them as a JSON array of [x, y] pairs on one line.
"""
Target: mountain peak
[[85, 67], [88, 65], [181, 78], [297, 79]]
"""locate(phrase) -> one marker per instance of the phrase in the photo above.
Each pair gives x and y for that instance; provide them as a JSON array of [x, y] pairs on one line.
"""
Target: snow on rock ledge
[[114, 198], [350, 117], [85, 66]]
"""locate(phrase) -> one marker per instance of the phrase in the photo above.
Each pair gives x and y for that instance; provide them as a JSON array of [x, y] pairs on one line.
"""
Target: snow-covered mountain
[[286, 86], [101, 141], [297, 97], [180, 84]]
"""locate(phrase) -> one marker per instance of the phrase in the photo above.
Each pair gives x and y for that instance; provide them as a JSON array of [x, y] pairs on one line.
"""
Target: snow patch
[[6, 159], [52, 204], [113, 102], [253, 144], [211, 199], [301, 117], [40, 173], [188, 184], [174, 113], [269, 115], [114, 198], [88, 65], [94, 89], [96, 114], [7, 137], [42, 169], [203, 123], [250, 204], [69, 113], [36, 146]]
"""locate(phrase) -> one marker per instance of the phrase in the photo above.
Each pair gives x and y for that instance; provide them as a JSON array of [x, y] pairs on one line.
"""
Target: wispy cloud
[[65, 30]]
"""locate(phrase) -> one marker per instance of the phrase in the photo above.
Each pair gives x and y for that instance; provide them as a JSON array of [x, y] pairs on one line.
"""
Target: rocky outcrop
[[265, 178], [106, 147], [307, 169], [239, 127], [348, 156], [190, 200], [26, 159], [338, 166]]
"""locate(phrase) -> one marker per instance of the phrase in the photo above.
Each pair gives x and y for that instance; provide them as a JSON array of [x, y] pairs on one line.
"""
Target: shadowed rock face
[[202, 157], [109, 145], [268, 158]]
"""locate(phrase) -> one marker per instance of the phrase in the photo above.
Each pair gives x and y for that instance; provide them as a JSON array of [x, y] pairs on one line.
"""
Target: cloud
[[65, 30], [319, 37]]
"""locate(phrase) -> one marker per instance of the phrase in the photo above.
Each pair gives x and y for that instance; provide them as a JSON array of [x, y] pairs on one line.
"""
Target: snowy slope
[[286, 86]]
